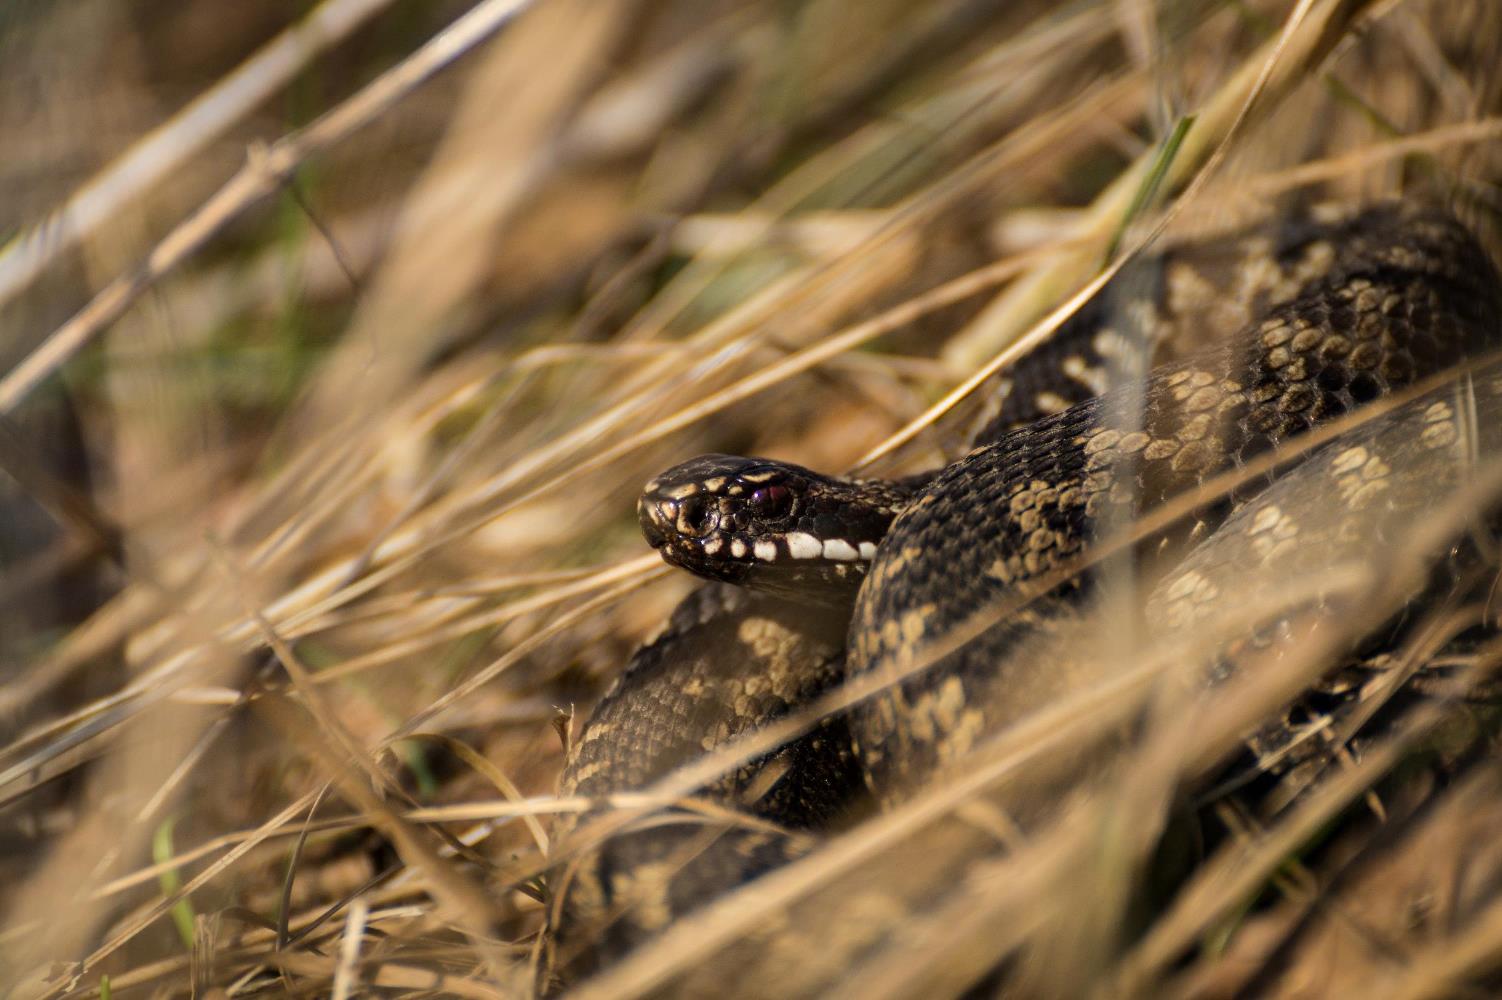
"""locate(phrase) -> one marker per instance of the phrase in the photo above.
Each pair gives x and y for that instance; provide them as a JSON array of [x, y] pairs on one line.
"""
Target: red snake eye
[[772, 501]]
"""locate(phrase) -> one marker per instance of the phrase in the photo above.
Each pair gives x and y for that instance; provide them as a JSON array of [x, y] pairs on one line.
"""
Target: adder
[[928, 586]]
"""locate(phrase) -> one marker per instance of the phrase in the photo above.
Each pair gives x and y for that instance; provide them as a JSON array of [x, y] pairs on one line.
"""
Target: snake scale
[[956, 594]]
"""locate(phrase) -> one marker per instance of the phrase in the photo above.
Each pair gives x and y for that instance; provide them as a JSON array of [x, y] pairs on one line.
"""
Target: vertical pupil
[[770, 501]]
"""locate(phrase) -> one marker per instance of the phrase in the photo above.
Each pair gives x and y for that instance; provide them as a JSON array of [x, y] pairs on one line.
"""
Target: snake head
[[767, 525]]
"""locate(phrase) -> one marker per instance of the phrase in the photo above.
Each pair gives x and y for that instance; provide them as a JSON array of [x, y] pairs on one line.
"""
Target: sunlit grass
[[372, 443]]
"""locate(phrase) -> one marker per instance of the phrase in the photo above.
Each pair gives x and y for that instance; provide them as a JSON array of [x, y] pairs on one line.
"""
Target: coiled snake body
[[946, 579]]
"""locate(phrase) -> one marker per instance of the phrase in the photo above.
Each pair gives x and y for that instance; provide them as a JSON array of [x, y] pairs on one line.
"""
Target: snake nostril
[[694, 516]]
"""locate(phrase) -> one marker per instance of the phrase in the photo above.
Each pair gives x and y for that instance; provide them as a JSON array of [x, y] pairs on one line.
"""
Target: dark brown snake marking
[[1341, 312]]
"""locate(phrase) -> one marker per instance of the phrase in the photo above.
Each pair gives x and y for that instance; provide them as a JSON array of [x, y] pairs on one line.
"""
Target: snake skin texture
[[1388, 312], [970, 621], [730, 661]]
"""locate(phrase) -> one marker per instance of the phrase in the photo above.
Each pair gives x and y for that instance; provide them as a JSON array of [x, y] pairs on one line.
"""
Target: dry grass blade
[[366, 455], [168, 147], [1243, 868], [266, 170], [1309, 32]]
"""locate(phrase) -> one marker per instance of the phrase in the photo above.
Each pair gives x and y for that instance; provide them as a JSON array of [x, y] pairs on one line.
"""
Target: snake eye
[[694, 516], [772, 501]]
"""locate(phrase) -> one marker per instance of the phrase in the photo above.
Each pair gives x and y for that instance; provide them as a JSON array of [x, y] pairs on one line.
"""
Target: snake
[[1208, 359]]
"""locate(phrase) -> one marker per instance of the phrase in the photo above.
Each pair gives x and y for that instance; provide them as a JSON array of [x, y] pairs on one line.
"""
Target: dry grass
[[373, 344]]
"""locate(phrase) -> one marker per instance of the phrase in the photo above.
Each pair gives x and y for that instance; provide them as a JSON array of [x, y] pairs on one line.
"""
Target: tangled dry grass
[[375, 316]]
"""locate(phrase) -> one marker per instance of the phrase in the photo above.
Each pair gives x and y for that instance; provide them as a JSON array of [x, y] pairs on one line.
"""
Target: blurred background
[[336, 340]]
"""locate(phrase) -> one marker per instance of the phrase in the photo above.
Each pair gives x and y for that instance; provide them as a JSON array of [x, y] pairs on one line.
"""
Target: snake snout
[[653, 528], [667, 519]]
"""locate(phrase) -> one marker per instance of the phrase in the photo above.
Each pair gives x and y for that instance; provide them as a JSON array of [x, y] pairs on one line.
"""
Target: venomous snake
[[931, 589]]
